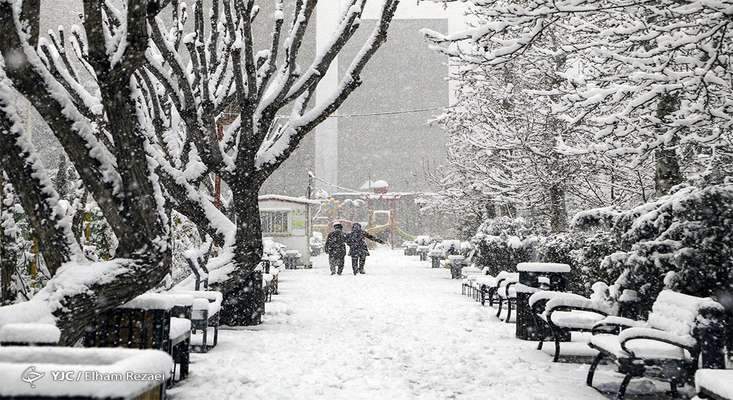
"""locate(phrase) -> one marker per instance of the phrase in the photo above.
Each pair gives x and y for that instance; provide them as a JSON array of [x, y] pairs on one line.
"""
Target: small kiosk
[[287, 220]]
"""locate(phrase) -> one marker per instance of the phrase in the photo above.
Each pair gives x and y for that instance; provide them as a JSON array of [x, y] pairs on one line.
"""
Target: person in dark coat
[[358, 247], [335, 247]]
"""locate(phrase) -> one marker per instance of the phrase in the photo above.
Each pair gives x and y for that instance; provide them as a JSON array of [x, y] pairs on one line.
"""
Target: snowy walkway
[[403, 331]]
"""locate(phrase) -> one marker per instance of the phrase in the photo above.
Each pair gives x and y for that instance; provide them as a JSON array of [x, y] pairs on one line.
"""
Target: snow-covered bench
[[506, 293], [715, 384], [83, 374], [557, 314], [267, 285], [410, 248], [29, 334], [489, 284], [205, 313], [292, 258], [197, 260], [469, 286], [149, 321], [422, 251], [668, 342]]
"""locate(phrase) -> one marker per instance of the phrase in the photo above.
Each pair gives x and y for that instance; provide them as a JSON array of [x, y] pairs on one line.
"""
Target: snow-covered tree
[[195, 81], [505, 138], [652, 79], [686, 232], [8, 241], [99, 127], [97, 87]]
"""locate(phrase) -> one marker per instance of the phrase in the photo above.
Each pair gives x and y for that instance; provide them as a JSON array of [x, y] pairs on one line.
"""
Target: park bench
[[558, 314], [714, 384], [29, 334], [274, 270], [468, 284], [197, 264], [489, 284], [423, 246], [205, 314], [270, 278], [410, 248], [291, 259], [667, 346], [474, 278], [150, 321], [506, 293], [129, 374], [423, 251], [267, 285], [436, 255]]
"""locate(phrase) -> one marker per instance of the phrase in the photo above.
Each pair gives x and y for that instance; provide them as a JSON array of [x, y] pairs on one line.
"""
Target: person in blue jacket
[[358, 250]]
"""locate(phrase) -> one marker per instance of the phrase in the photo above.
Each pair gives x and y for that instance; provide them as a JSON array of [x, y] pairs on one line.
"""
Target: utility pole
[[309, 195]]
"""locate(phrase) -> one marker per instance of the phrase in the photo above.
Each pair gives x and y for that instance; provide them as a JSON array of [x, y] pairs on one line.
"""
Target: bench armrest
[[635, 333], [542, 296], [613, 324], [574, 302]]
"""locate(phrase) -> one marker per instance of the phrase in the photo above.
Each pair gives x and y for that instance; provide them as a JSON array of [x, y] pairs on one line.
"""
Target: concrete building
[[382, 130]]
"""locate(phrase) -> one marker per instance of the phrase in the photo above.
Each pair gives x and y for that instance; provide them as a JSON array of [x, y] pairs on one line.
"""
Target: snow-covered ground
[[402, 331]]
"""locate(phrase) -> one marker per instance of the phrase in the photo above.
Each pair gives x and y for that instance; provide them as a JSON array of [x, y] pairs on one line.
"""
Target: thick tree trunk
[[36, 197], [7, 267], [558, 209], [490, 209], [667, 171], [243, 296], [78, 311], [8, 255]]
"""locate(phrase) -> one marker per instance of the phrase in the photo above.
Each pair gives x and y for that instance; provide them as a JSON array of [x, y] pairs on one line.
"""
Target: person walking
[[335, 247], [358, 250]]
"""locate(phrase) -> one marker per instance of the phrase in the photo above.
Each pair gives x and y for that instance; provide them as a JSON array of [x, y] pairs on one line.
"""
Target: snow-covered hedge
[[505, 242], [590, 263], [688, 232], [502, 243]]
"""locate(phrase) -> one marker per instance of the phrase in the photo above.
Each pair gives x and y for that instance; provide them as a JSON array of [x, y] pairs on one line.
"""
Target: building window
[[274, 222]]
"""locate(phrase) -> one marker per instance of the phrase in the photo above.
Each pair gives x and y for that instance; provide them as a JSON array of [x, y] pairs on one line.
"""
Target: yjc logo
[[30, 375]]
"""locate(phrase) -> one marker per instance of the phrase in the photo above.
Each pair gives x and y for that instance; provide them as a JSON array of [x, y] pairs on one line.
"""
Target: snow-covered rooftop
[[288, 199]]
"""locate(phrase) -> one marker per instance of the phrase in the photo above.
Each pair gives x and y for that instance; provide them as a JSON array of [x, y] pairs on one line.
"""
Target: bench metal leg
[[622, 389], [508, 311], [541, 343], [673, 386], [501, 303], [204, 338], [185, 358], [557, 348], [592, 370]]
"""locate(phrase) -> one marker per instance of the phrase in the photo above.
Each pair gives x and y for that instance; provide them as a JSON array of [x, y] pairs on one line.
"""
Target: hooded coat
[[336, 243], [357, 241]]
